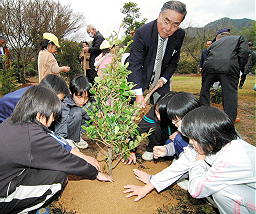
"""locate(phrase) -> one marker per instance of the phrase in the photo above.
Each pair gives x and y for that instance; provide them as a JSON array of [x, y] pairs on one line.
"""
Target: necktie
[[158, 64]]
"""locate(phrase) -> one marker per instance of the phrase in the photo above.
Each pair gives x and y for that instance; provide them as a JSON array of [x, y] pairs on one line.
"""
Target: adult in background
[[204, 54], [249, 65], [47, 64], [84, 57], [4, 53], [155, 51], [226, 58], [94, 50]]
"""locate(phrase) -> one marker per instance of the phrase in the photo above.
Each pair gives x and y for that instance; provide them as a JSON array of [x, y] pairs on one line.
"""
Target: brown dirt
[[94, 197]]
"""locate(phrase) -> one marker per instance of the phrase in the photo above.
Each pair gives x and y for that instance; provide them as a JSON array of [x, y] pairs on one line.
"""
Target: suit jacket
[[228, 55], [143, 54], [95, 48]]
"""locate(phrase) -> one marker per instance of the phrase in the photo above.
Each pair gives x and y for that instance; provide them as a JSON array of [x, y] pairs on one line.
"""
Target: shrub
[[69, 56], [112, 124]]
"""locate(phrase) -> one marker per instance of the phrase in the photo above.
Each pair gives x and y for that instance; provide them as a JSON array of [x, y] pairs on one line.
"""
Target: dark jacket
[[30, 146], [95, 48], [204, 55], [9, 101], [160, 133], [250, 63], [143, 54], [227, 56], [70, 112]]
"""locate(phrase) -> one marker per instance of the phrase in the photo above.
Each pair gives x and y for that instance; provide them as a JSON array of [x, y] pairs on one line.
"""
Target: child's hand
[[173, 135], [139, 191], [131, 159], [142, 176], [104, 177], [159, 151], [92, 161], [200, 157]]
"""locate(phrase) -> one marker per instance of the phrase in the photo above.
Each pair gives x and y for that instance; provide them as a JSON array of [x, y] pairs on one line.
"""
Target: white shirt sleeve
[[138, 91], [174, 172]]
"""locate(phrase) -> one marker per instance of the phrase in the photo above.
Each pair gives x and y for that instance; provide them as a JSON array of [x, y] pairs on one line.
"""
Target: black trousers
[[35, 188], [229, 84], [91, 74]]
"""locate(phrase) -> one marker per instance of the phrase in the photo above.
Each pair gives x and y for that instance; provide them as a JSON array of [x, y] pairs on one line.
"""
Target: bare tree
[[23, 22]]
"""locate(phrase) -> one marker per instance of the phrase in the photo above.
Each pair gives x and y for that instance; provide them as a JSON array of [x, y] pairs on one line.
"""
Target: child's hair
[[78, 85], [180, 104], [55, 83], [161, 104], [105, 51], [85, 42], [45, 43], [210, 127], [36, 99]]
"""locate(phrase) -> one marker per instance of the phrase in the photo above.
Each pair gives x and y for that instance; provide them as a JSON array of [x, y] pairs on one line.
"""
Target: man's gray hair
[[176, 6], [90, 27]]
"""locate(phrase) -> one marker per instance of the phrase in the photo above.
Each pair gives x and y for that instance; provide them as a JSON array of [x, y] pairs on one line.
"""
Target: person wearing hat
[[227, 56], [104, 59], [47, 64]]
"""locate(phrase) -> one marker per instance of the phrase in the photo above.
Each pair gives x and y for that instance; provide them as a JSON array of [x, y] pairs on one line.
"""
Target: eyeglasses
[[169, 23]]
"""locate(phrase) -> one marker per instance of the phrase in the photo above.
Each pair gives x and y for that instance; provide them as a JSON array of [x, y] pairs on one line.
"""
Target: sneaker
[[43, 211], [82, 144], [183, 184], [148, 156]]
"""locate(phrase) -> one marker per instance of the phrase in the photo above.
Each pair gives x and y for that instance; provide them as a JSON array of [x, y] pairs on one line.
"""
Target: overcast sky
[[105, 15]]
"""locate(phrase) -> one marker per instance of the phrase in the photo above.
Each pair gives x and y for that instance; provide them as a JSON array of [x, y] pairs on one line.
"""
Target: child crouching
[[34, 165]]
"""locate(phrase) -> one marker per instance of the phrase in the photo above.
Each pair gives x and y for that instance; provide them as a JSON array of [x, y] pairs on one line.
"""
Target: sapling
[[112, 125]]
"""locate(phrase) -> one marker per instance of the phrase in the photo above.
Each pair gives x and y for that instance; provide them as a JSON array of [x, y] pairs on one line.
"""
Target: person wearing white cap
[[47, 64], [104, 59]]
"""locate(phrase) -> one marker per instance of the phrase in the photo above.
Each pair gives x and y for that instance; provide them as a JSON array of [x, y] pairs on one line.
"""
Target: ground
[[94, 197]]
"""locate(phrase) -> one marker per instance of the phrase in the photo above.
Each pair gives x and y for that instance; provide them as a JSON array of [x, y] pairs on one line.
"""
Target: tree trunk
[[110, 161]]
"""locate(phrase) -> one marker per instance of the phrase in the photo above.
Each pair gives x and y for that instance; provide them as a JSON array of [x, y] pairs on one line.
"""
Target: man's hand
[[139, 191], [159, 151], [140, 101], [160, 83]]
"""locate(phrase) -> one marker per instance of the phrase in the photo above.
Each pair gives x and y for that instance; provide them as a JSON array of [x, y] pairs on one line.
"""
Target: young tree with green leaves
[[112, 125]]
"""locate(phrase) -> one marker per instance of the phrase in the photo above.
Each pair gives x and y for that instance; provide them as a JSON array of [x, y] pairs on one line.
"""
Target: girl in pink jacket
[[104, 59]]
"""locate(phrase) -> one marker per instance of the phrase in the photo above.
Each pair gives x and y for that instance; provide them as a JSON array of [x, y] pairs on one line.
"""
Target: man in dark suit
[[155, 51], [226, 58], [94, 51]]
